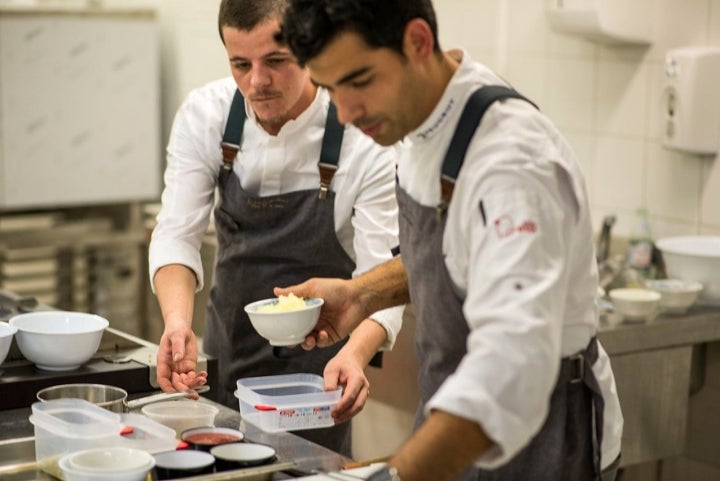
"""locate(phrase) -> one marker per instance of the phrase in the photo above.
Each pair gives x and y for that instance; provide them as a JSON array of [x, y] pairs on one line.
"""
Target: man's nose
[[260, 76], [348, 110]]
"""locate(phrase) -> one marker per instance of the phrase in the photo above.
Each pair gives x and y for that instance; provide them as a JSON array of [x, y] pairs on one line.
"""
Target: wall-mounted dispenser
[[606, 21], [691, 99]]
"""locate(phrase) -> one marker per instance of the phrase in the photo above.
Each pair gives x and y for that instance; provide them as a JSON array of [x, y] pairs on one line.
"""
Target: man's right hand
[[341, 312], [177, 359]]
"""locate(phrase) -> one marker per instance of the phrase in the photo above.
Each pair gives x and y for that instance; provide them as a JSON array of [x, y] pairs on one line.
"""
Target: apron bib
[[568, 445], [264, 242]]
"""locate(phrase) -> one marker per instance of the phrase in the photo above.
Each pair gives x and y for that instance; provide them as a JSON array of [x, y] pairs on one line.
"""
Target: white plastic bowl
[[635, 304], [285, 328], [181, 415], [694, 258], [6, 336], [58, 340], [107, 464], [677, 295]]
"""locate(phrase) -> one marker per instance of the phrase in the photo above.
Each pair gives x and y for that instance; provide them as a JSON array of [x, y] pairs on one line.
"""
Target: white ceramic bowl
[[6, 336], [284, 328], [58, 340], [635, 304], [677, 295], [694, 258], [107, 464], [181, 415]]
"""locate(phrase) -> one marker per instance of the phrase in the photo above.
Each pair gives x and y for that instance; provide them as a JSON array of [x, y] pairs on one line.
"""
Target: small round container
[[182, 464], [181, 415], [635, 304], [107, 464], [677, 295], [284, 327], [206, 437], [241, 455]]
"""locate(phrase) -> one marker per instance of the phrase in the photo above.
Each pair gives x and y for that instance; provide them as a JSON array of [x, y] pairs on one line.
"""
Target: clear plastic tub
[[66, 425], [140, 432], [286, 402]]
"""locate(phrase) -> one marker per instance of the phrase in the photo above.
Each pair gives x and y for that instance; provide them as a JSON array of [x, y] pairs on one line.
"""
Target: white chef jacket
[[365, 207], [533, 229]]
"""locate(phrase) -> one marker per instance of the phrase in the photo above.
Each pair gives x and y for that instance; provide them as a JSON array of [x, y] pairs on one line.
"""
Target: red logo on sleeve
[[505, 226]]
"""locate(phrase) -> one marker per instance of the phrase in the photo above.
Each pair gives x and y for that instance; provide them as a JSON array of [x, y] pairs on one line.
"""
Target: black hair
[[247, 14], [309, 25]]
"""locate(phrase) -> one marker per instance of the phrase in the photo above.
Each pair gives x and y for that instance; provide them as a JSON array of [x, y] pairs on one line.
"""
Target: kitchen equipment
[[58, 340], [181, 415], [107, 464], [109, 397], [206, 437], [283, 327], [121, 360], [635, 304], [6, 337], [694, 258], [286, 402], [182, 464], [677, 295], [241, 455]]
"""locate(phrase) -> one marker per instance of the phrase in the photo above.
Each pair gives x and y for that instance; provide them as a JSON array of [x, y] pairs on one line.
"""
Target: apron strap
[[330, 151], [230, 144], [472, 114], [581, 365]]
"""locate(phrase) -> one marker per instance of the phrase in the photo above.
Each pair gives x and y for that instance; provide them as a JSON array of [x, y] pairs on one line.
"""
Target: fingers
[[350, 404]]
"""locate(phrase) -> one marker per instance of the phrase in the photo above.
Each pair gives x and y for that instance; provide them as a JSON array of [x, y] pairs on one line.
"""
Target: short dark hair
[[309, 25], [247, 14]]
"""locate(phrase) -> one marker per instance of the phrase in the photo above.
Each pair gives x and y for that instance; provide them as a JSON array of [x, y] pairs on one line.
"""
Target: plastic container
[[286, 402], [181, 415], [140, 432], [66, 425]]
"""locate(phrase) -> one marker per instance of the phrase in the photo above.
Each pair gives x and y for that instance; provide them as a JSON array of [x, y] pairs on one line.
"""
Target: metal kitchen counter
[[308, 456]]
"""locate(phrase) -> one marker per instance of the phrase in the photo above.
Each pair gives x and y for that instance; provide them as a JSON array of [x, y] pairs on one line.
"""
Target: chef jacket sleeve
[[190, 178], [375, 223], [513, 307]]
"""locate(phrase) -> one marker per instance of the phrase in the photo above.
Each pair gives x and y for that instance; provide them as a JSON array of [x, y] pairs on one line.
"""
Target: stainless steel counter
[[700, 324], [17, 447]]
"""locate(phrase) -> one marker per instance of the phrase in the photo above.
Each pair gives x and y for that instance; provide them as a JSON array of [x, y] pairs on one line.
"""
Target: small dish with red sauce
[[206, 437]]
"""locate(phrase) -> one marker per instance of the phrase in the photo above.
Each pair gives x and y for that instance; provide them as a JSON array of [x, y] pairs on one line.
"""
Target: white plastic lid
[[75, 418]]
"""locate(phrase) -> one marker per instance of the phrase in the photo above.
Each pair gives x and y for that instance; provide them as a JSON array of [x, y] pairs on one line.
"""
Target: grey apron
[[568, 445], [264, 242]]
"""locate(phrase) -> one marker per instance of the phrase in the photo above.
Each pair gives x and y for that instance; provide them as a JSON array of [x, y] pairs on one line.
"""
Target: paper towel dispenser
[[691, 99], [606, 21]]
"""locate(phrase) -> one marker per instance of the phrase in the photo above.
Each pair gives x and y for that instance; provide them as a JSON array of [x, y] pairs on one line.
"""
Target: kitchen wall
[[605, 99]]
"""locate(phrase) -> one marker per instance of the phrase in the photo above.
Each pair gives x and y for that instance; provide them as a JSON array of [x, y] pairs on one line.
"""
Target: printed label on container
[[304, 417]]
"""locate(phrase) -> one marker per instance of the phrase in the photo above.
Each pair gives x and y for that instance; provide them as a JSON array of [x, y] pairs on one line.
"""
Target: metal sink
[[17, 463]]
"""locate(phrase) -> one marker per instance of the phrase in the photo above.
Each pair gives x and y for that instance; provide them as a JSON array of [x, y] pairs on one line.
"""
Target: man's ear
[[418, 41]]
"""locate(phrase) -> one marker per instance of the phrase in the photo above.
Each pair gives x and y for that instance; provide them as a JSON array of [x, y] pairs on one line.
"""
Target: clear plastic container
[[66, 425], [286, 402], [140, 432]]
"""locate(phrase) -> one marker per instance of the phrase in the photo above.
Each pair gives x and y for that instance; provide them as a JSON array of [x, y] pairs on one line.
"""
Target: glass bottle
[[640, 250]]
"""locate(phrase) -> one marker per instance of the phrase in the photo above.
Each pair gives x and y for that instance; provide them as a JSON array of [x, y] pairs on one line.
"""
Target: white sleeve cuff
[[162, 254], [391, 320]]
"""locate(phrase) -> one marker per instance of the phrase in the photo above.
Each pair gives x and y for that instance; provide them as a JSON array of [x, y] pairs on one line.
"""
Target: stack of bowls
[[107, 464]]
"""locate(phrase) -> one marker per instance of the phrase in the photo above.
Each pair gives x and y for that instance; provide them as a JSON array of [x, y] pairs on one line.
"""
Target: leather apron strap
[[329, 152]]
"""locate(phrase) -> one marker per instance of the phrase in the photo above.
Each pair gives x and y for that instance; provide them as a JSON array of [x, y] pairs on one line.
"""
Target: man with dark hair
[[298, 195], [496, 248]]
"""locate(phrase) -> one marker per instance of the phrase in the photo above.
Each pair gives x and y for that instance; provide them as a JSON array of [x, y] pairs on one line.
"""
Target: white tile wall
[[606, 100]]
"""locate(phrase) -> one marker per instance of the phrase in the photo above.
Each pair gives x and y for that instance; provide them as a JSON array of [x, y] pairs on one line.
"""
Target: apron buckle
[[579, 360], [322, 193], [440, 210]]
